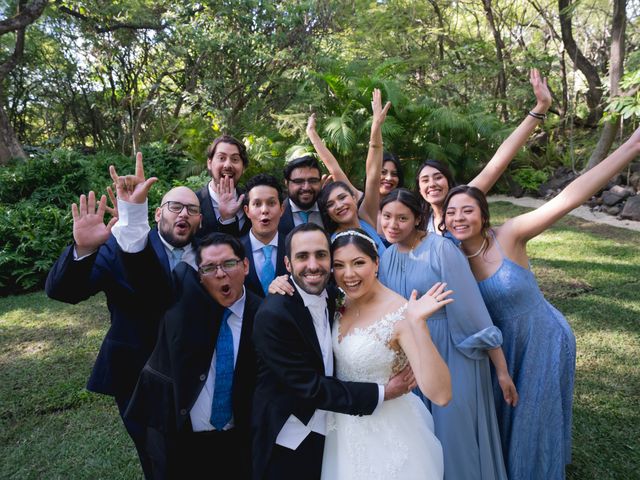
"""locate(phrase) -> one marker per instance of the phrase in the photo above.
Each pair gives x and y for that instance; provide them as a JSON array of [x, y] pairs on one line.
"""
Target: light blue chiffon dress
[[540, 349], [463, 332]]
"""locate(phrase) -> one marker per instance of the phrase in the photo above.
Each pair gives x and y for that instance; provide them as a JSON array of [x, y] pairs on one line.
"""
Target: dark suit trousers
[[193, 455], [303, 463], [137, 434]]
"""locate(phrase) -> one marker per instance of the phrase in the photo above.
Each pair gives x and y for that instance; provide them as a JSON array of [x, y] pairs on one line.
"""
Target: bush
[[50, 180], [35, 204], [530, 178], [33, 237]]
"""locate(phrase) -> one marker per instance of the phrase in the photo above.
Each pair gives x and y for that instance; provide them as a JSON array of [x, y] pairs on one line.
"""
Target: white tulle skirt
[[396, 442]]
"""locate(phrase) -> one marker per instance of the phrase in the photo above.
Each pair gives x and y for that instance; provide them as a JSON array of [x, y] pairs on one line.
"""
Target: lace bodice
[[364, 355]]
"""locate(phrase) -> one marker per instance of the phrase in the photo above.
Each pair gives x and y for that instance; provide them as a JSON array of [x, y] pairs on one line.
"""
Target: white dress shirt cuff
[[132, 228], [380, 396]]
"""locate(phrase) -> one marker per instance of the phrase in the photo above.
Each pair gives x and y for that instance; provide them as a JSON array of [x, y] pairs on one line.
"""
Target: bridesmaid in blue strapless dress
[[538, 343], [540, 349]]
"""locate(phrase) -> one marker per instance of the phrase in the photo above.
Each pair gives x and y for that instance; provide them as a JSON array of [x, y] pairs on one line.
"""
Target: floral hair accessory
[[356, 234]]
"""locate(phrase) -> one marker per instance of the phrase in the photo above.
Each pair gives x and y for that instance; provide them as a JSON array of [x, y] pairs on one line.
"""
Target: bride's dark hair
[[357, 237]]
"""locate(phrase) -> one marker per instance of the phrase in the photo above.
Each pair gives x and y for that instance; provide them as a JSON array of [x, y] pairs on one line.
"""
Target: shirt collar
[[296, 208], [186, 248], [312, 300], [237, 308], [257, 245], [214, 195]]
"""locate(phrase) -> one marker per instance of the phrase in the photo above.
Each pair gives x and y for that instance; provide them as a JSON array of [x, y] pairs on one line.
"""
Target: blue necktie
[[304, 216], [221, 410], [176, 257], [268, 273]]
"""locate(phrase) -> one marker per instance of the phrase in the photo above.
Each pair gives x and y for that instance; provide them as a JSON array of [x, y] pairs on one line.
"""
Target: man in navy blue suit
[[221, 199], [91, 265], [263, 244], [303, 179]]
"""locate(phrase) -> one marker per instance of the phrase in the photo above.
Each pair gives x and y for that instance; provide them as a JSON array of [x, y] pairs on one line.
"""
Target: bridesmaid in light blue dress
[[463, 333], [538, 342]]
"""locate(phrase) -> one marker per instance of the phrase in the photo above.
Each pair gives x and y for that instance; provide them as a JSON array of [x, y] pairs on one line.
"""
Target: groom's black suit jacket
[[291, 376]]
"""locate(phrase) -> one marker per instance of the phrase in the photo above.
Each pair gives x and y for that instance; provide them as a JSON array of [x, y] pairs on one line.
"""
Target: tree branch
[[24, 17], [96, 23]]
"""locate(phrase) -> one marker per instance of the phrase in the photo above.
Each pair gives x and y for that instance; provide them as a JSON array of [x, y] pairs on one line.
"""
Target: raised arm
[[524, 227], [371, 203], [514, 142], [430, 370], [326, 157]]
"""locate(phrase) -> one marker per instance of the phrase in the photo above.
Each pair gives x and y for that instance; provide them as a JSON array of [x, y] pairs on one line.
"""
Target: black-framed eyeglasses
[[226, 266], [302, 181], [176, 207]]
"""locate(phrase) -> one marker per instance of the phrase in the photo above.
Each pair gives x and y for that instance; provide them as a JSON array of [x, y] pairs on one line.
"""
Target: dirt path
[[582, 212]]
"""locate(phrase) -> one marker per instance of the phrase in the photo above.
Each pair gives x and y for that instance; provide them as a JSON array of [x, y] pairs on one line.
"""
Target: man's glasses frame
[[226, 266], [177, 207], [302, 181]]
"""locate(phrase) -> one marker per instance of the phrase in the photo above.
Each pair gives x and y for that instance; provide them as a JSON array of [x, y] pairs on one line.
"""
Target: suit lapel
[[303, 316], [209, 220], [161, 253], [286, 221], [280, 268]]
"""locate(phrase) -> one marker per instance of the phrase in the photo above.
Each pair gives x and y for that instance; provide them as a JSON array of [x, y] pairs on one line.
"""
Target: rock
[[609, 198], [621, 191], [631, 209], [560, 179], [615, 210], [617, 180], [634, 181]]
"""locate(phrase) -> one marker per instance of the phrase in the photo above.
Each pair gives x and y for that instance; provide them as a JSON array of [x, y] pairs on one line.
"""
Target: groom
[[295, 386]]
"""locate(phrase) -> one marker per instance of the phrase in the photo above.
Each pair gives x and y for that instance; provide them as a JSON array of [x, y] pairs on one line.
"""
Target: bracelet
[[376, 145], [539, 116]]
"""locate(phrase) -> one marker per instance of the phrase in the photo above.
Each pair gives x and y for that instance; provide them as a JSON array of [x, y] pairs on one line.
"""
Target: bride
[[375, 334]]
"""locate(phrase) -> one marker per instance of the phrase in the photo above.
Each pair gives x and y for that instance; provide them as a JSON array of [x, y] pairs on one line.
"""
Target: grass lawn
[[50, 427]]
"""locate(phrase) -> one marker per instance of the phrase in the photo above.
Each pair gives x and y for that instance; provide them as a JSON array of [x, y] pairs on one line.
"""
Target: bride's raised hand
[[432, 301]]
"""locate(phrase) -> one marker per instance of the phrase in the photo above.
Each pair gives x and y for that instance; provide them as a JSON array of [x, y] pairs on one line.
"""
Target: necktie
[[176, 257], [268, 273], [304, 216], [221, 405]]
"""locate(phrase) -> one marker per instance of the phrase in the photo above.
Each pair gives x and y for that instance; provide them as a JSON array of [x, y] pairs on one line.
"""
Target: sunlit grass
[[51, 427]]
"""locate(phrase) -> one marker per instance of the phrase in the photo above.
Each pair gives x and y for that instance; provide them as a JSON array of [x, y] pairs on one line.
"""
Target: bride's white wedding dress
[[397, 440]]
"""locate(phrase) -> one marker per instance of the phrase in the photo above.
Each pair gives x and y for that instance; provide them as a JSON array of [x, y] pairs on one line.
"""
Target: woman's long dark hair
[[390, 157], [410, 200], [367, 247], [443, 169], [329, 225], [480, 199]]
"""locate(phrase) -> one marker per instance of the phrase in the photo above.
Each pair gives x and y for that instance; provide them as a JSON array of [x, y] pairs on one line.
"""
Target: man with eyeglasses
[[302, 177], [195, 393], [92, 265], [221, 199], [204, 348]]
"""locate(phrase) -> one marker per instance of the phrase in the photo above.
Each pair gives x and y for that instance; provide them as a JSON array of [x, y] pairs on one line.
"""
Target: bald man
[[91, 265]]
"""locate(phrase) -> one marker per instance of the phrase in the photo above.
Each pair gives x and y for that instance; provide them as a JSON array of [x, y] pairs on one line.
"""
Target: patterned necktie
[[176, 257], [268, 273], [221, 410], [304, 216]]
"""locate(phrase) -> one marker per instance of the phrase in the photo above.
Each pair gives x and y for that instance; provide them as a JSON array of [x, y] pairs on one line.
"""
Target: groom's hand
[[401, 383]]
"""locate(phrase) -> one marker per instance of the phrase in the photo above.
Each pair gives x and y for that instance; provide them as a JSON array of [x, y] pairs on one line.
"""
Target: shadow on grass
[[48, 349], [87, 442]]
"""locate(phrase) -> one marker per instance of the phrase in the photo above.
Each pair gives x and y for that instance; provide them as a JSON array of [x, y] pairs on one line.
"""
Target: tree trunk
[[594, 94], [9, 144], [501, 87], [616, 70]]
